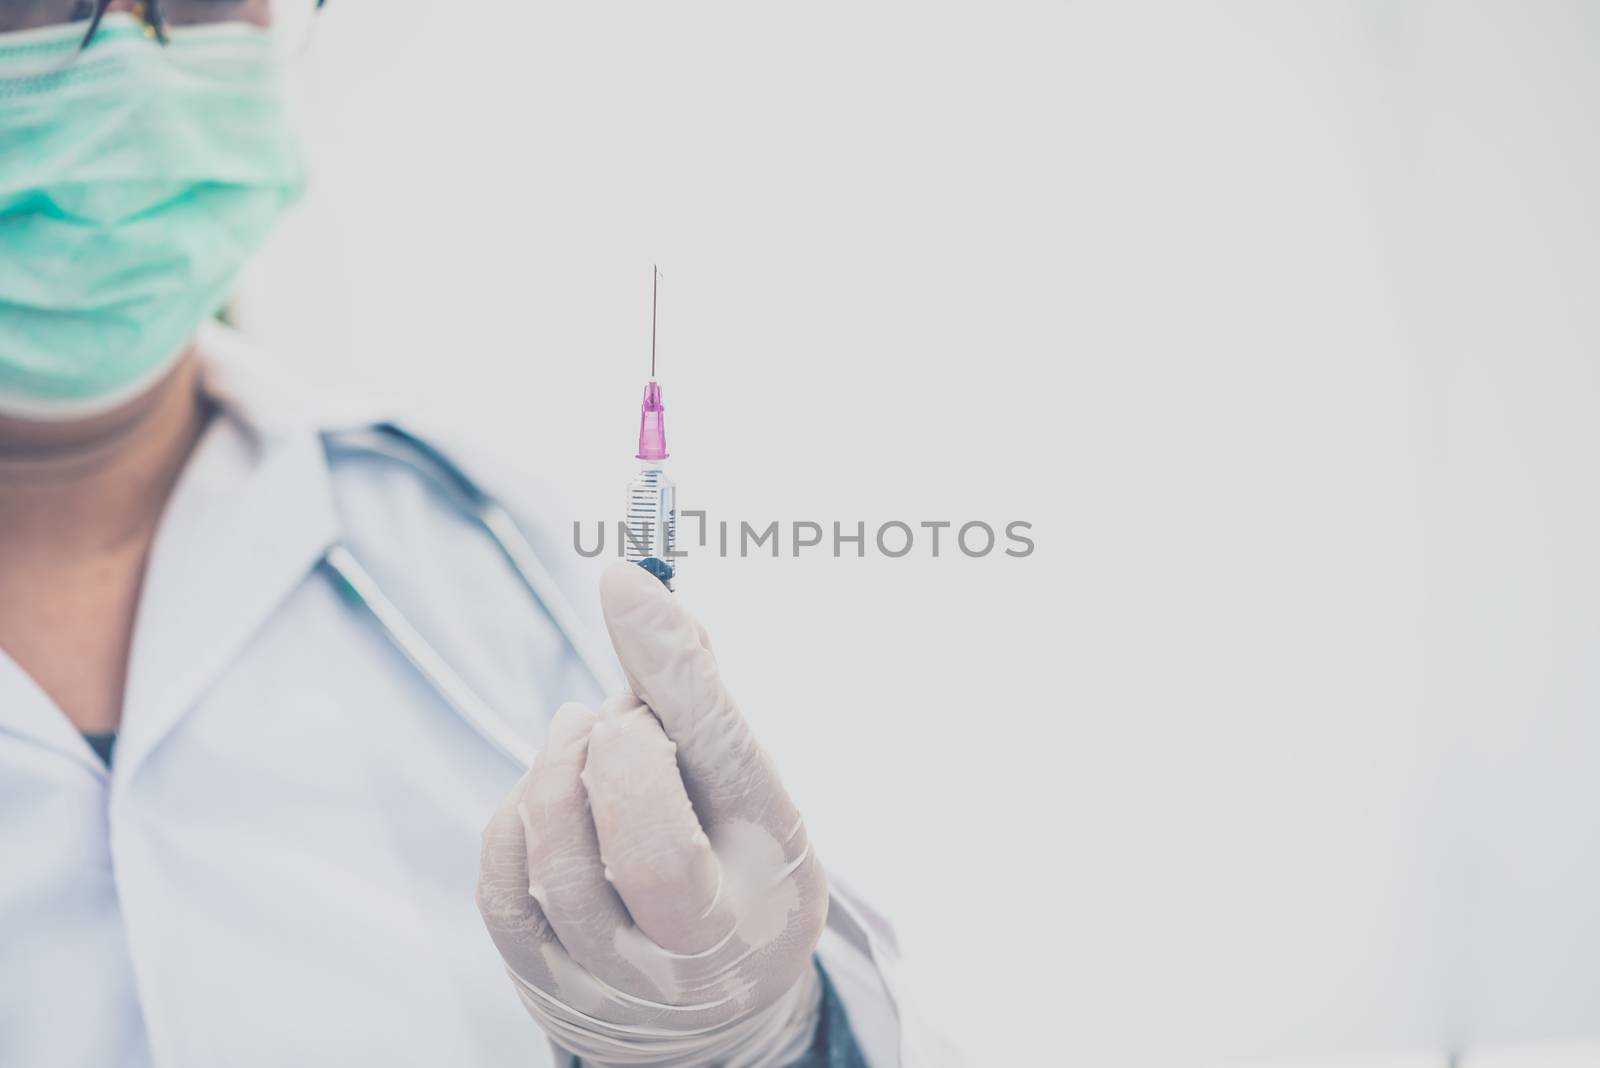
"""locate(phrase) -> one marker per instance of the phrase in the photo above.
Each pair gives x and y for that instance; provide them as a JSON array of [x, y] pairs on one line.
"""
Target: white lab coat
[[280, 868]]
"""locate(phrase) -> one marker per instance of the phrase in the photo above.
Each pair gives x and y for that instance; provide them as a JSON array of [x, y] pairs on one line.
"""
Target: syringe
[[650, 536]]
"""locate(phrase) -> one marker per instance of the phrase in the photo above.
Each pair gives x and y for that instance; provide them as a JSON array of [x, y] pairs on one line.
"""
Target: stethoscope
[[357, 585]]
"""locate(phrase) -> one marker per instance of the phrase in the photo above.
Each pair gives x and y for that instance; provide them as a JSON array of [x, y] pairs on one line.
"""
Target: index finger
[[670, 667]]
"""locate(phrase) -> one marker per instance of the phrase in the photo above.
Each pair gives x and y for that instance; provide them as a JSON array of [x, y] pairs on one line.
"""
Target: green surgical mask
[[134, 184]]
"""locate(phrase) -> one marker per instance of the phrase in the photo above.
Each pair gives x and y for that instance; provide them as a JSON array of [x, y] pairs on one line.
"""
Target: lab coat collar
[[27, 712], [256, 394], [250, 518]]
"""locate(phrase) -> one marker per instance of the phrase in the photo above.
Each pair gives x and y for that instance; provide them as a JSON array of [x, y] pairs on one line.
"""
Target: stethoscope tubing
[[359, 585]]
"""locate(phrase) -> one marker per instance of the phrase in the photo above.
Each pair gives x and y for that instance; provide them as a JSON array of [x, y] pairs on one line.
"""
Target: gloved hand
[[649, 882]]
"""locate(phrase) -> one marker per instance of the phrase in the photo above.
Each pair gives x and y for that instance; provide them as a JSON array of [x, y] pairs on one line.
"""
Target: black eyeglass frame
[[148, 10]]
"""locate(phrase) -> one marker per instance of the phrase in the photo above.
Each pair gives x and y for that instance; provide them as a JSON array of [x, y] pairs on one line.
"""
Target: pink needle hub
[[652, 424]]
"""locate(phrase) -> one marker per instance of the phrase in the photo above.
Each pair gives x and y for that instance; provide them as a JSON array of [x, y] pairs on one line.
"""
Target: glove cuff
[[778, 1035]]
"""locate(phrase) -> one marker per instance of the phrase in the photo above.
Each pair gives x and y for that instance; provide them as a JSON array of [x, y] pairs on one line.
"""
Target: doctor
[[237, 826]]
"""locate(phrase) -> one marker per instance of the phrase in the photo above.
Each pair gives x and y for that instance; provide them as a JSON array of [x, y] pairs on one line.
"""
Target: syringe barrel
[[650, 533]]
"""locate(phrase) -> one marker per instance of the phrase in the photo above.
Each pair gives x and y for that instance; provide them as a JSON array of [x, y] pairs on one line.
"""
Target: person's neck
[[76, 492]]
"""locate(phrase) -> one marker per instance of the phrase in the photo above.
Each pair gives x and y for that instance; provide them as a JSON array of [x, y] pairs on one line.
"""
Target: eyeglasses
[[289, 21]]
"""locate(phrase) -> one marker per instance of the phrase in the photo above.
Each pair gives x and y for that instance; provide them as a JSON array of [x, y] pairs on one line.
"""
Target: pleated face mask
[[135, 181]]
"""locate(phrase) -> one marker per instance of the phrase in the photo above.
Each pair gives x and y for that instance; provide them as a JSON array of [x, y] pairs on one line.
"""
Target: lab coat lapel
[[248, 522], [27, 712]]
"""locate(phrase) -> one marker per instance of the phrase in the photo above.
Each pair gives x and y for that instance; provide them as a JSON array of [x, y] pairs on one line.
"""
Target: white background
[[1277, 321]]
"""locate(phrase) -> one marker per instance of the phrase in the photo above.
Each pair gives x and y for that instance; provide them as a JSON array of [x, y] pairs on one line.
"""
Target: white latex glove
[[649, 882]]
